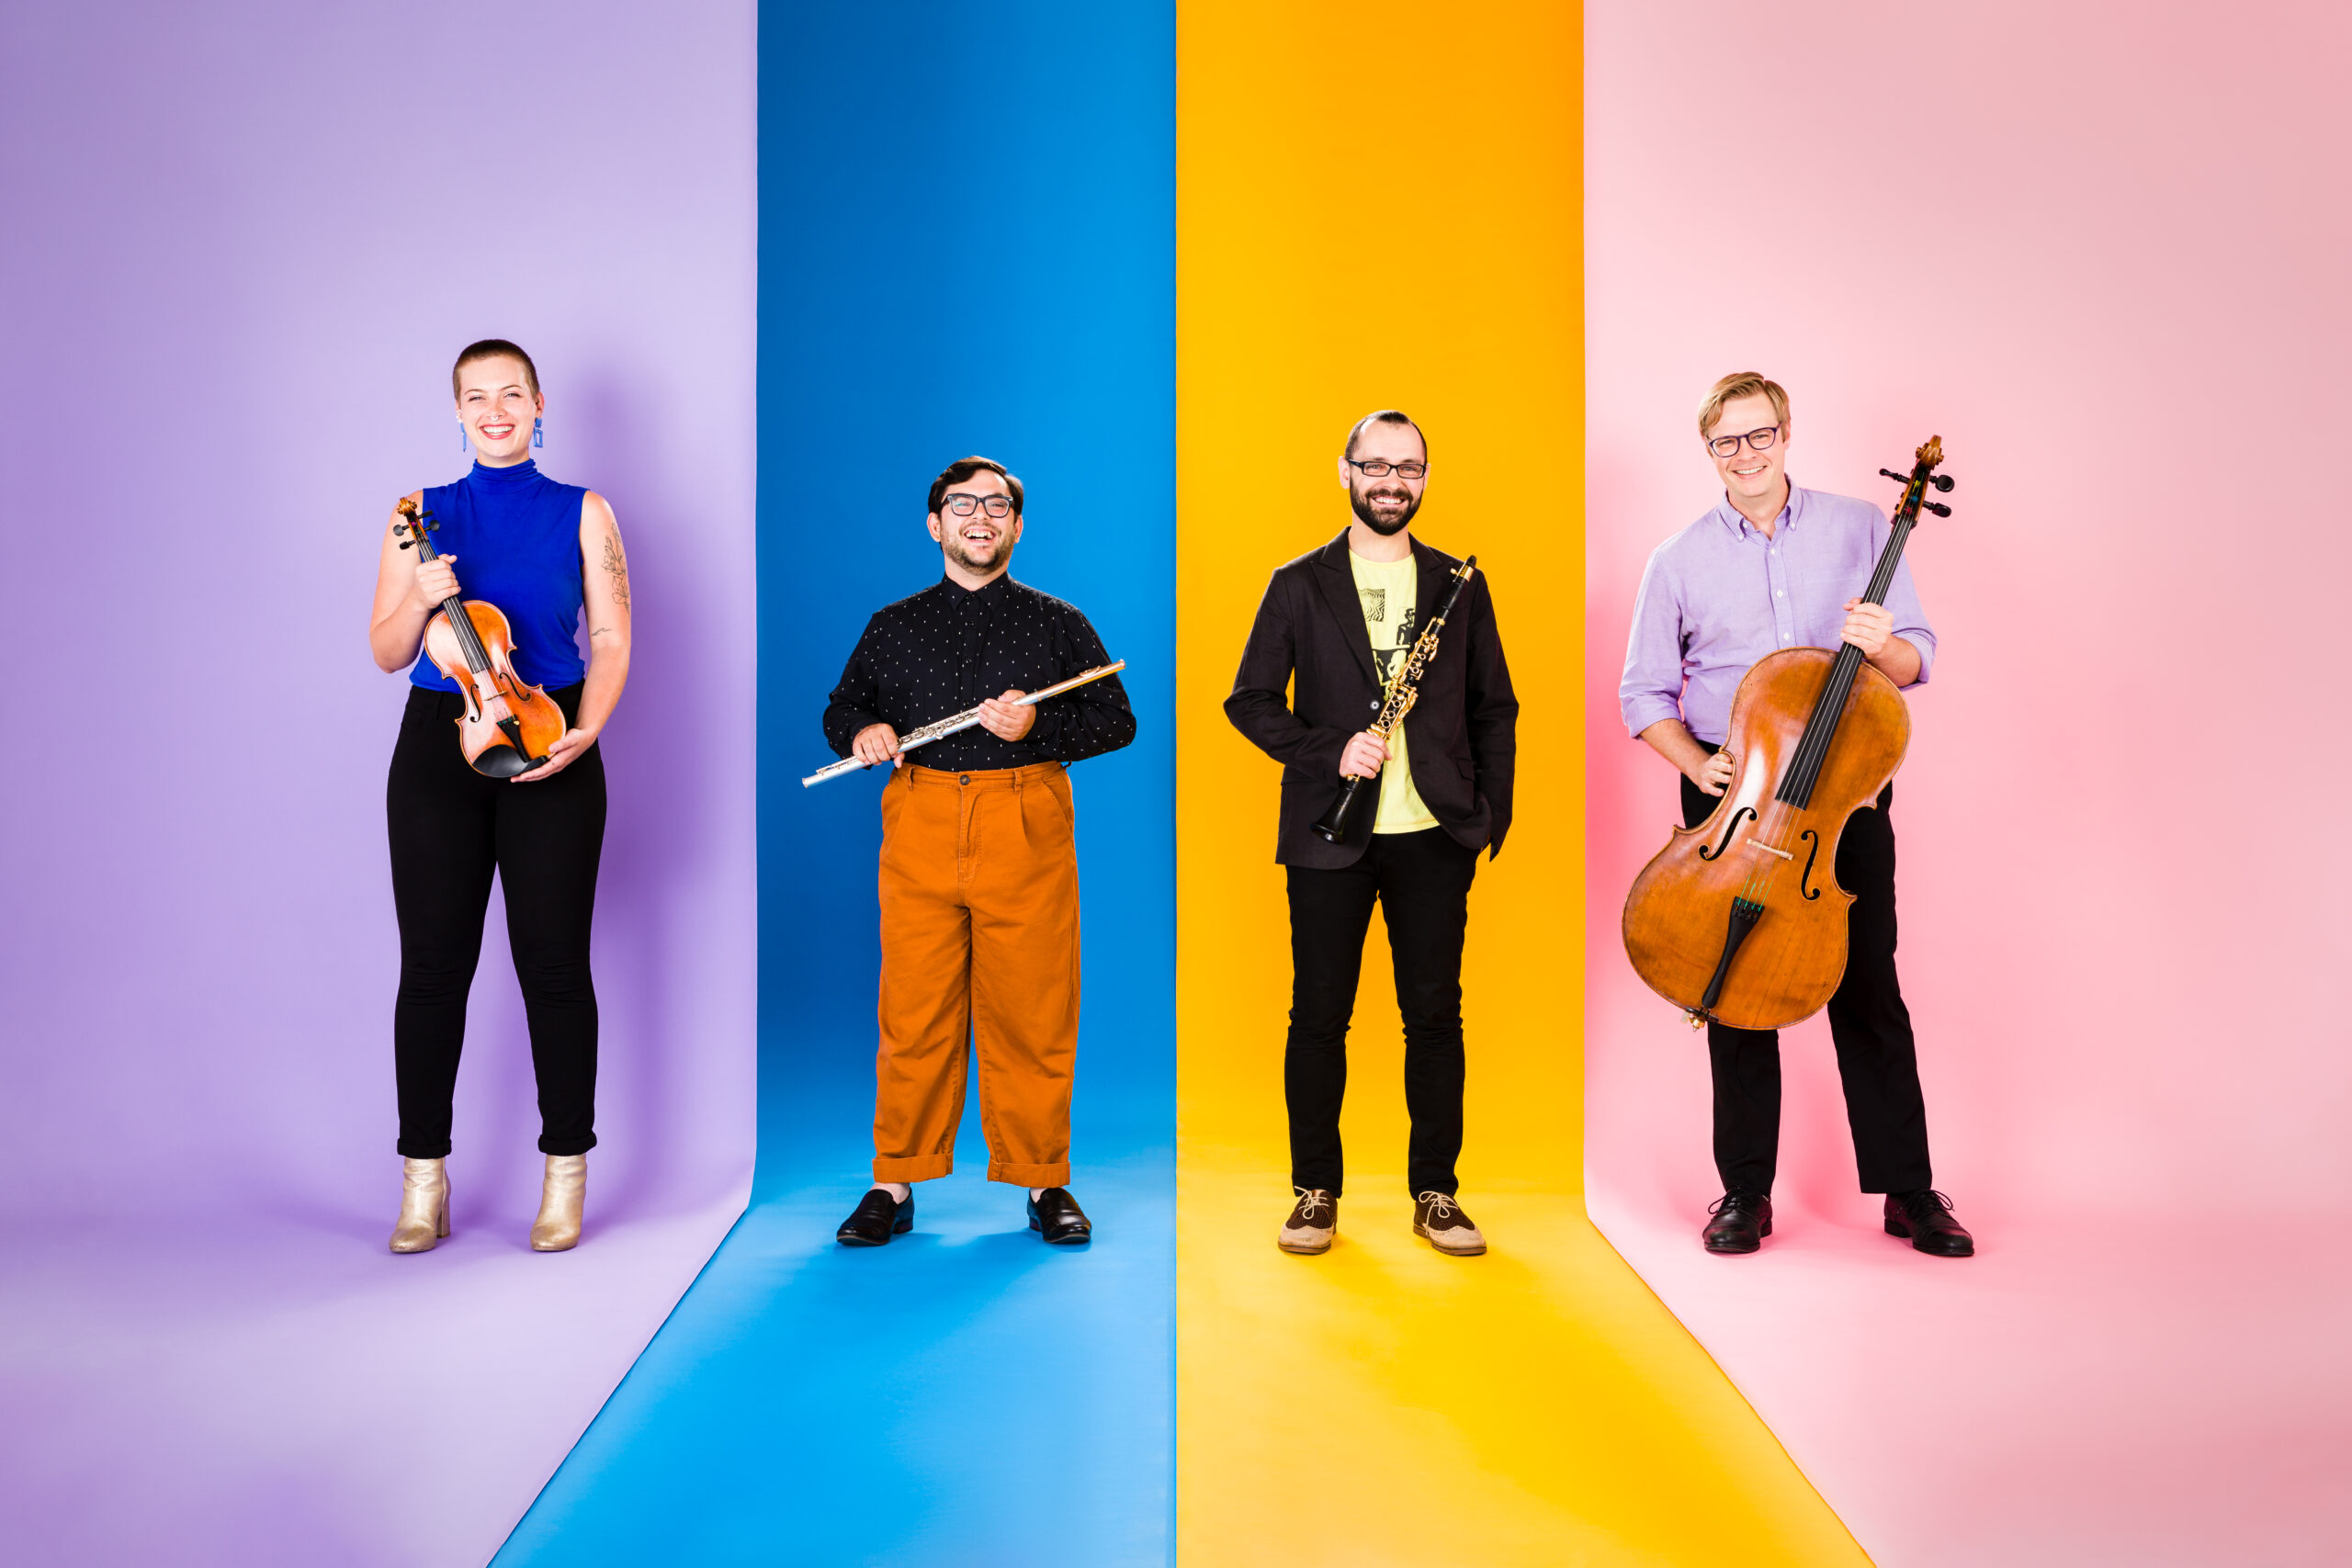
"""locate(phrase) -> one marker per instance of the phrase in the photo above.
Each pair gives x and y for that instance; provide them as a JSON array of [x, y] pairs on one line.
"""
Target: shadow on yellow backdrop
[[1379, 204]]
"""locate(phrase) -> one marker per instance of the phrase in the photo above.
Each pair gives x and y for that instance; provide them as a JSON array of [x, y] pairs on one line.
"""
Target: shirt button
[[1375, 706]]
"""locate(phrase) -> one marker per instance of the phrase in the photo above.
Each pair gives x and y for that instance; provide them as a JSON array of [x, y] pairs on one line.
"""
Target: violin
[[1740, 920], [508, 725]]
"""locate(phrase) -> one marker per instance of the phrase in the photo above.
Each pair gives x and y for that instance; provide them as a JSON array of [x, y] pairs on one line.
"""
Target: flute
[[955, 723]]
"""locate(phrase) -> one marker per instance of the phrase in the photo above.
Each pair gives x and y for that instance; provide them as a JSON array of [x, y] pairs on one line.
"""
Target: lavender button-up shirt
[[1719, 595]]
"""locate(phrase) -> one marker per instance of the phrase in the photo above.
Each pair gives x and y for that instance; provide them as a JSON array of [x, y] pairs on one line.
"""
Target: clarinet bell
[[1334, 824]]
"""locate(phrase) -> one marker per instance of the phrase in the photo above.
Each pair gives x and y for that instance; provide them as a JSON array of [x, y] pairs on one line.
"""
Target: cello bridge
[[1760, 844]]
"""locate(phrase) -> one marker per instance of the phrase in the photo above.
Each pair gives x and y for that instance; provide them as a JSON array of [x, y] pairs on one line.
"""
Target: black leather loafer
[[1055, 1215], [877, 1218], [1925, 1217], [1741, 1221]]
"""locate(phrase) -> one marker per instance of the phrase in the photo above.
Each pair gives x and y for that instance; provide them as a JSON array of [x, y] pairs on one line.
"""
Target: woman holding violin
[[497, 770]]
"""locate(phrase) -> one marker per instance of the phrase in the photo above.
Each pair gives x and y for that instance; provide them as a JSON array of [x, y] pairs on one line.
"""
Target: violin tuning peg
[[1938, 507], [1898, 478], [1942, 482], [405, 543]]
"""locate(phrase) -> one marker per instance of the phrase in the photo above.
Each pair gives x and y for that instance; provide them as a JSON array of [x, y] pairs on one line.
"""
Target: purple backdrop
[[243, 245]]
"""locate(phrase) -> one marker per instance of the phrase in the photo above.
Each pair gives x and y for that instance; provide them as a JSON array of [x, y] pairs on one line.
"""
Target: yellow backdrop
[[1379, 204]]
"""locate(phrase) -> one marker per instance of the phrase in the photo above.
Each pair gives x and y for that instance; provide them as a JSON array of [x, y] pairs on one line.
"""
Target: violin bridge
[[1760, 844]]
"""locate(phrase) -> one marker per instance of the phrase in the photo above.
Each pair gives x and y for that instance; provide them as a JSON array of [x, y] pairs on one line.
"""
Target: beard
[[1385, 528], [1000, 561]]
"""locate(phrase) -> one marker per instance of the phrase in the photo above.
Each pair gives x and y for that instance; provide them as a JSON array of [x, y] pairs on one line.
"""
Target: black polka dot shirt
[[950, 648]]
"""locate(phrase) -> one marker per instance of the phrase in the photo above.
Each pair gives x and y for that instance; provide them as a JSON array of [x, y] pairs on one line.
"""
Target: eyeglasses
[[1376, 469], [1757, 441], [994, 506]]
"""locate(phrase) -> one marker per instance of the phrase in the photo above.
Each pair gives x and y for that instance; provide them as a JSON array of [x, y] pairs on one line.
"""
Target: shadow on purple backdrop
[[243, 246]]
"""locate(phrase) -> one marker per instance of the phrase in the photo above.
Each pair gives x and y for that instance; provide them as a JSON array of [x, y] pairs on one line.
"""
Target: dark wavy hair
[[962, 468]]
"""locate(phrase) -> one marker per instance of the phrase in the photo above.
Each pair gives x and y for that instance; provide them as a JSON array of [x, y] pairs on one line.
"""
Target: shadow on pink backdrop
[[243, 246], [2101, 254]]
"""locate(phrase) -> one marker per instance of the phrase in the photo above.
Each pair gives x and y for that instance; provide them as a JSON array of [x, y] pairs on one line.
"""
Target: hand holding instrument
[[955, 723], [1403, 691], [1740, 920], [507, 726]]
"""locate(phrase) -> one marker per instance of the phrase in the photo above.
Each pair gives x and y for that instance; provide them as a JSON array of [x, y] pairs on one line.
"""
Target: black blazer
[[1461, 735]]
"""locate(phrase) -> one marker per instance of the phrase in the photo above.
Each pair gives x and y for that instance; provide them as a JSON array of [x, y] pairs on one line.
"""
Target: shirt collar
[[996, 588], [1792, 513]]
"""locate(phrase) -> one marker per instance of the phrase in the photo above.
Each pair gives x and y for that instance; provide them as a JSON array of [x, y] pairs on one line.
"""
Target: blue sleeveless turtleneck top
[[516, 536]]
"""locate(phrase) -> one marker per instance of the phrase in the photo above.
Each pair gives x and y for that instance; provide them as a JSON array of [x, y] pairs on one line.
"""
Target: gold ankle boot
[[562, 1194], [425, 1205]]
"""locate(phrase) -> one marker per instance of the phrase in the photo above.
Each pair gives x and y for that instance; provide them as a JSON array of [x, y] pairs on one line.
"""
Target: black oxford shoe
[[1925, 1217], [877, 1218], [1055, 1215], [1740, 1222]]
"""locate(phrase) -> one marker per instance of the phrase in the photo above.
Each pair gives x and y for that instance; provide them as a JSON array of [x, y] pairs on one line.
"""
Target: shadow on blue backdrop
[[967, 245]]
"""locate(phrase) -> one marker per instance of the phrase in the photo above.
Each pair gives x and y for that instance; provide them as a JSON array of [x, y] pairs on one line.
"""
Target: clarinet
[[1403, 691]]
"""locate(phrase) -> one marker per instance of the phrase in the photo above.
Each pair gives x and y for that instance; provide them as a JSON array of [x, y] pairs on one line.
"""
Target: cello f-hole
[[1804, 882], [1729, 828]]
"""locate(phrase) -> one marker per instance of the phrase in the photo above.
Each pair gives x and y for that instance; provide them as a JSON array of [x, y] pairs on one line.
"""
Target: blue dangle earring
[[464, 441], [539, 433]]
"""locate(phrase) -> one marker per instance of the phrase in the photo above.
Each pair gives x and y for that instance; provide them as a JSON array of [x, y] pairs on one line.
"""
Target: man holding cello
[[1774, 567]]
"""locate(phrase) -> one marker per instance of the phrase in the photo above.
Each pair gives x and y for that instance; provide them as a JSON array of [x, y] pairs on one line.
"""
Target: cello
[[507, 726], [1740, 920]]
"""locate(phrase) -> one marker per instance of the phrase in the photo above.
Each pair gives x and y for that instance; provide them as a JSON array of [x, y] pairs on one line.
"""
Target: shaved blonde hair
[[1742, 384]]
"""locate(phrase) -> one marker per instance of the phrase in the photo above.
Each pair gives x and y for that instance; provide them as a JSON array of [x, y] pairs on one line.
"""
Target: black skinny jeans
[[1422, 882], [1877, 1062], [451, 828]]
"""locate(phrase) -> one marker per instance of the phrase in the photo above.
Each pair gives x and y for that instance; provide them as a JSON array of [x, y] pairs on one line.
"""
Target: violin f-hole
[[1804, 882], [1729, 828]]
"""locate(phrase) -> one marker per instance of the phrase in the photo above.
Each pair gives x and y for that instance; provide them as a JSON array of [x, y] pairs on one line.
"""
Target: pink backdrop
[[2106, 264]]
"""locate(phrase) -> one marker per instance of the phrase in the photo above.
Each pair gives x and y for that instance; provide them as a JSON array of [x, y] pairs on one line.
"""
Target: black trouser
[[1422, 883], [451, 828], [1868, 1023]]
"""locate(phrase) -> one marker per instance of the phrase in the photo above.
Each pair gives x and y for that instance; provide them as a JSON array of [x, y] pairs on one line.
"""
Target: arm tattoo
[[616, 568]]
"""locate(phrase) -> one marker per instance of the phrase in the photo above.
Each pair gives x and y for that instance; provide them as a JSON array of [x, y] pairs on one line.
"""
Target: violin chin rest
[[500, 763]]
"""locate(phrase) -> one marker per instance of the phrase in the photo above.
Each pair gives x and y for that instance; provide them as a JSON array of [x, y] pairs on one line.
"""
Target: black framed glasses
[[1757, 441], [1377, 470], [963, 505]]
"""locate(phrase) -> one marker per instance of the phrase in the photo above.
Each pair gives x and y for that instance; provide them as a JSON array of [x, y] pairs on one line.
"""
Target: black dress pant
[[451, 829], [1422, 882], [1868, 1023]]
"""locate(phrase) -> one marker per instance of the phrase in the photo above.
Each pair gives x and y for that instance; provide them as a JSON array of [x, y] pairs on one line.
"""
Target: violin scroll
[[419, 523]]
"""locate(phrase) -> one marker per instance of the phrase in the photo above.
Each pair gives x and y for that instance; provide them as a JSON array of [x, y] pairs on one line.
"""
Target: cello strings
[[1783, 812]]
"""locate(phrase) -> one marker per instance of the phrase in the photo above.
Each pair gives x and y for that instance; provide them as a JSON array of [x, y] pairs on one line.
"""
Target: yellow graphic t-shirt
[[1387, 589]]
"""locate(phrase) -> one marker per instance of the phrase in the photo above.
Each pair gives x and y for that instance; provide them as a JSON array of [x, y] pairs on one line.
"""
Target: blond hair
[[1742, 384]]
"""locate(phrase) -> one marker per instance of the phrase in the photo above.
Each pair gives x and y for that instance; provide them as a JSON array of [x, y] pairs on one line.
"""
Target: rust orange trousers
[[979, 941]]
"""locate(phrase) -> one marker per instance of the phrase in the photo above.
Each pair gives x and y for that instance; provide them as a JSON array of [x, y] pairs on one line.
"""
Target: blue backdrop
[[967, 245]]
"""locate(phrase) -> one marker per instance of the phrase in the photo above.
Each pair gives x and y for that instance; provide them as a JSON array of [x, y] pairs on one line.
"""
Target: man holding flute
[[978, 874]]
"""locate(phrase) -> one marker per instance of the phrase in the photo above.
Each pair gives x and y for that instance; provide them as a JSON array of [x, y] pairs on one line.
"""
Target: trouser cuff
[[1055, 1175], [913, 1167], [416, 1148], [573, 1146]]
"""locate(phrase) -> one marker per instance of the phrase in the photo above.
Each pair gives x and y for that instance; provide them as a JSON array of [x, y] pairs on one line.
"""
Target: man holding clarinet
[[1343, 623], [979, 876]]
